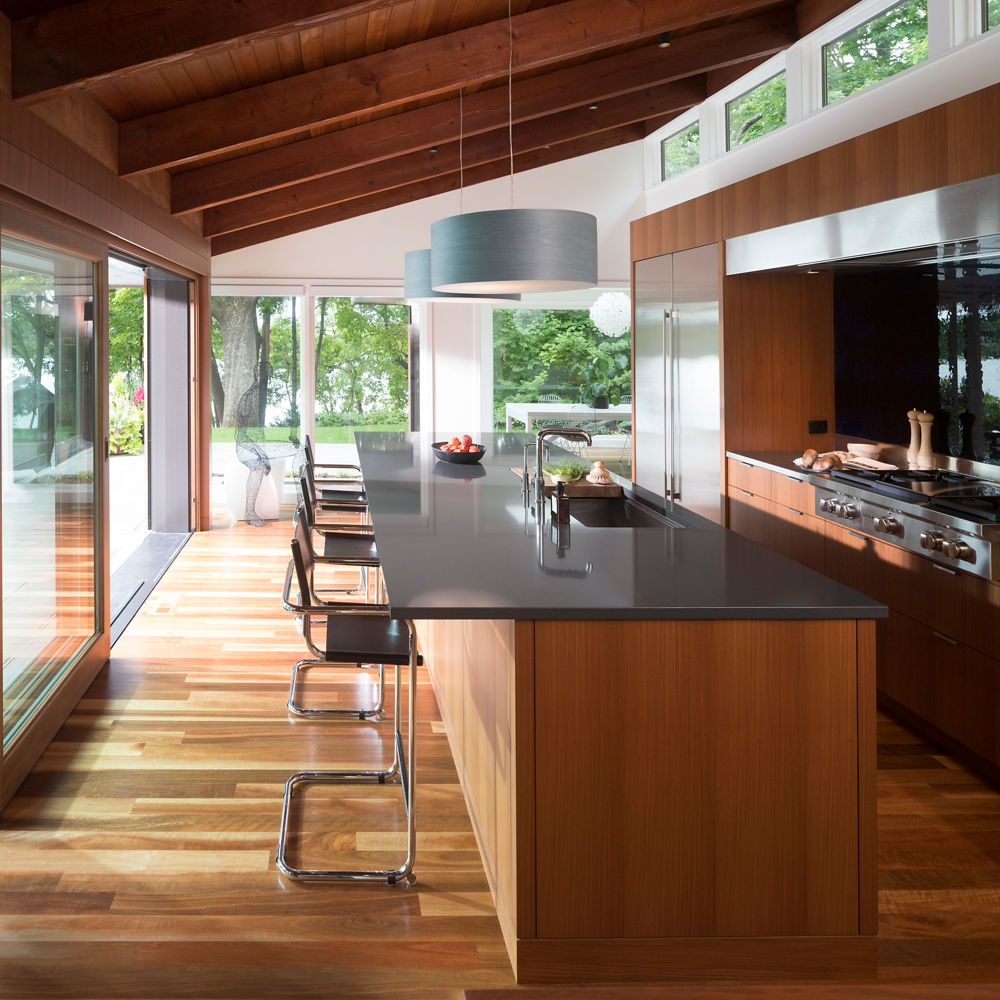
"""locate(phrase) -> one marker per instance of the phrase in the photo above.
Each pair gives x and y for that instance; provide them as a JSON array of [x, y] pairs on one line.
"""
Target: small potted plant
[[566, 471], [600, 396]]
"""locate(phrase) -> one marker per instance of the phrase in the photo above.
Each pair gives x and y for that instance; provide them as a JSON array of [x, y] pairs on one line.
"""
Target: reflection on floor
[[133, 581]]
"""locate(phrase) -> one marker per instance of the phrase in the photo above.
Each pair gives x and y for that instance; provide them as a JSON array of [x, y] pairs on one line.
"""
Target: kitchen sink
[[616, 512]]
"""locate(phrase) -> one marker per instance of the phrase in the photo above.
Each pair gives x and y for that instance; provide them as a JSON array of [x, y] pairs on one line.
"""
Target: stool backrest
[[304, 558]]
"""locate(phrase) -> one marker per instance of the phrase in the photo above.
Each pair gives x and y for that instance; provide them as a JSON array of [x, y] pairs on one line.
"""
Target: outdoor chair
[[356, 633]]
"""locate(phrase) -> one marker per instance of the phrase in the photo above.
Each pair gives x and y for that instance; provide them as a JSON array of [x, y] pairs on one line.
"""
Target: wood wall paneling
[[779, 350]]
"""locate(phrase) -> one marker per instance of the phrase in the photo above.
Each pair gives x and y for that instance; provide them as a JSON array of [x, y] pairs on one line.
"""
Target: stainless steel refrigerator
[[677, 380]]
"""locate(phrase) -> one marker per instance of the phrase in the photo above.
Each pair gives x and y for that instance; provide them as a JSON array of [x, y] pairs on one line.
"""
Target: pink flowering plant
[[125, 418]]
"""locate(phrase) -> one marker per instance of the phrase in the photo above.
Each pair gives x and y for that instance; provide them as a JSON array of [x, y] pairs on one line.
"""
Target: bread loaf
[[809, 457]]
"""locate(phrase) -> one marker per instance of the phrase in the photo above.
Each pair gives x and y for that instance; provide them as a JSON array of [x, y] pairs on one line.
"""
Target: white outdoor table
[[547, 412]]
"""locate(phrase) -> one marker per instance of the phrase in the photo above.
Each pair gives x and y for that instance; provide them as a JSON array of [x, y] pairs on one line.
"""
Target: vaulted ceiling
[[276, 116]]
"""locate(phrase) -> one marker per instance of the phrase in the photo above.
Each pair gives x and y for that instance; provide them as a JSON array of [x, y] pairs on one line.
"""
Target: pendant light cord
[[461, 165], [510, 96]]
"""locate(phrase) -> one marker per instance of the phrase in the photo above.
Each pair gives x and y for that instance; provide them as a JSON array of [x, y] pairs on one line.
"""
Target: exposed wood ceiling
[[275, 116]]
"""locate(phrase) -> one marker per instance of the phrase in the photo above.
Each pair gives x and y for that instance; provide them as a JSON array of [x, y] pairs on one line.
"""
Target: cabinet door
[[653, 295]]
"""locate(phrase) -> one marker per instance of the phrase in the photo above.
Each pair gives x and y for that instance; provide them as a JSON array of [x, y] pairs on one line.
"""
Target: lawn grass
[[323, 435]]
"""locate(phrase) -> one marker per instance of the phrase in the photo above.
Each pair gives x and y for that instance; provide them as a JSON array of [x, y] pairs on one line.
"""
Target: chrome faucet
[[570, 434]]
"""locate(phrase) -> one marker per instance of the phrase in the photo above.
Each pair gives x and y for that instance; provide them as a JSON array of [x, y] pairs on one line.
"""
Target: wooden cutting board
[[580, 488]]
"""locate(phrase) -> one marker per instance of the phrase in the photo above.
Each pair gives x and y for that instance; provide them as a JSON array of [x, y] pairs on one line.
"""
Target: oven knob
[[888, 525], [829, 506], [931, 539], [848, 510], [955, 548]]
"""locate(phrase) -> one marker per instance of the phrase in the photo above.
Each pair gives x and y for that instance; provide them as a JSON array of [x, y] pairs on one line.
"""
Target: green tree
[[126, 323], [680, 151], [757, 112], [557, 351], [362, 361], [877, 49]]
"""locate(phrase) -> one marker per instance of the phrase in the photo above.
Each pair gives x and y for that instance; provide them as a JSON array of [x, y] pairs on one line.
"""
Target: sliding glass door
[[49, 455]]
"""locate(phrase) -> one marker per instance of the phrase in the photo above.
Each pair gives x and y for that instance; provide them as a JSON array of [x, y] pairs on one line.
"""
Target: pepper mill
[[925, 457], [914, 449]]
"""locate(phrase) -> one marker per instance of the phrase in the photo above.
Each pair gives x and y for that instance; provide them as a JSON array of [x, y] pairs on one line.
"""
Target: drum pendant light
[[515, 249], [417, 283]]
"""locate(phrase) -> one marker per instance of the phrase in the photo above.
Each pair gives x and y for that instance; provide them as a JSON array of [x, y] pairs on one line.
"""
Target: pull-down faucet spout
[[570, 434]]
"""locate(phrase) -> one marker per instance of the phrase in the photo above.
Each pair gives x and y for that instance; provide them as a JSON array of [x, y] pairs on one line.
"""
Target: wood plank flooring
[[137, 860]]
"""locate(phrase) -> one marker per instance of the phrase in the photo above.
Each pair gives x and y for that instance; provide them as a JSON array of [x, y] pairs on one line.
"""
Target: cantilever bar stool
[[363, 632], [340, 548]]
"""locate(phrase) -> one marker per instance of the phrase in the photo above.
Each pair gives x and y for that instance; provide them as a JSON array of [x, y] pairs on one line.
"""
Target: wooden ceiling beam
[[389, 79], [487, 147], [811, 14], [62, 50], [369, 143], [423, 189]]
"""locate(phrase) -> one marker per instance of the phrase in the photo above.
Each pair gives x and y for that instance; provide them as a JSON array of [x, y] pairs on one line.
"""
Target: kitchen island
[[665, 734]]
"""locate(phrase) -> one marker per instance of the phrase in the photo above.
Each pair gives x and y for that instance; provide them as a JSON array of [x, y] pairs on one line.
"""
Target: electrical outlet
[[817, 426]]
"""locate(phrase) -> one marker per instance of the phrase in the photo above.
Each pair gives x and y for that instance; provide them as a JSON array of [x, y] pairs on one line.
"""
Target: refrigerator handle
[[670, 318]]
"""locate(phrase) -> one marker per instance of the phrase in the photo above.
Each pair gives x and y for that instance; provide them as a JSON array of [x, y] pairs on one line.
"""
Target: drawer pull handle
[[855, 534], [794, 479], [945, 569], [947, 638], [746, 493], [749, 465], [792, 510]]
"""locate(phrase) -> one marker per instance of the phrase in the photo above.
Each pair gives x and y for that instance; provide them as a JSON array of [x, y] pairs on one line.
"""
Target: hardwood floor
[[137, 860]]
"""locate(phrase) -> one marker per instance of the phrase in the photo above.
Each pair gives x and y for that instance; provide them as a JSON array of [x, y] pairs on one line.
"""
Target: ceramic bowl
[[865, 450], [458, 457]]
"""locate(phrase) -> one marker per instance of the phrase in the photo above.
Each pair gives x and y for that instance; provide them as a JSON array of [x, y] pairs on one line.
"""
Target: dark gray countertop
[[458, 542]]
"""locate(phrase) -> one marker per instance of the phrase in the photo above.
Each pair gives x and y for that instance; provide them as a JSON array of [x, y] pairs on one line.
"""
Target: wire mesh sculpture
[[254, 451]]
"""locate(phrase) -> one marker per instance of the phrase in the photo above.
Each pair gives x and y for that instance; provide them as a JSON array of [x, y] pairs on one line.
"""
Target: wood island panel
[[669, 795], [696, 779]]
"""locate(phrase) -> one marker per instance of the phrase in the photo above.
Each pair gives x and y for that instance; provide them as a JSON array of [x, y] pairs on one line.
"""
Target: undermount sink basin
[[615, 512]]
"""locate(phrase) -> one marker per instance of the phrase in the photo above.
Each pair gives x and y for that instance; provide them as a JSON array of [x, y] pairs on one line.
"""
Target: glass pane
[[49, 524], [879, 48], [256, 399], [555, 367], [679, 152], [991, 14], [756, 112], [362, 372]]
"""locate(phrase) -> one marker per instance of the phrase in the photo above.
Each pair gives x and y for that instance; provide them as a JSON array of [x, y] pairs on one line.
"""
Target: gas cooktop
[[934, 489]]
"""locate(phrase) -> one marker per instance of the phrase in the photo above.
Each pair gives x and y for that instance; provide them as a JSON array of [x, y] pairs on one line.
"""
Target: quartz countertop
[[459, 542]]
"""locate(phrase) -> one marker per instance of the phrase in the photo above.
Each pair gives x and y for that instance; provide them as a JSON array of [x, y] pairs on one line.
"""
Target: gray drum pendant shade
[[417, 282], [514, 250]]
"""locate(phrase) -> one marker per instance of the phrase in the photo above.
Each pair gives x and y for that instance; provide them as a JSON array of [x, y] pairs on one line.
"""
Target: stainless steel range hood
[[947, 225]]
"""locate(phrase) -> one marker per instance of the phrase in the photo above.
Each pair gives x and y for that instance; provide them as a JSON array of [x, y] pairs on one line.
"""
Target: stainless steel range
[[950, 517]]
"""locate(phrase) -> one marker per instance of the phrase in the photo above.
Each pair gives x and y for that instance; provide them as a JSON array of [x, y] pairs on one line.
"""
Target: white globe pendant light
[[611, 314], [514, 249]]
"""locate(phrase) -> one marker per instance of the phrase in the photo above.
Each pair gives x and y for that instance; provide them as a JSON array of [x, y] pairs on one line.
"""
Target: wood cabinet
[[939, 651], [673, 797]]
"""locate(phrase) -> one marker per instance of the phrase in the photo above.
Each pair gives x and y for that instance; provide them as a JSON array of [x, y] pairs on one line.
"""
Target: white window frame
[[950, 23]]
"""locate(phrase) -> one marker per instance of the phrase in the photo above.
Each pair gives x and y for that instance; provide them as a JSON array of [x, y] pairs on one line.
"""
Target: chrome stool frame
[[403, 763]]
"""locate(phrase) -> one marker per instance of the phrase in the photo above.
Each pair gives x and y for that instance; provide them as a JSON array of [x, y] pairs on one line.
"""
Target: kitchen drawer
[[945, 682], [752, 478], [957, 604], [858, 561], [752, 516], [790, 491], [800, 536]]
